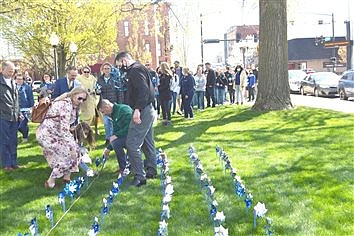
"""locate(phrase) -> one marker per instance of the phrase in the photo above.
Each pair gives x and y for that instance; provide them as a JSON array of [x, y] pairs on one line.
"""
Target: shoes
[[8, 168], [137, 183], [24, 140], [48, 186], [179, 112], [151, 176], [17, 167]]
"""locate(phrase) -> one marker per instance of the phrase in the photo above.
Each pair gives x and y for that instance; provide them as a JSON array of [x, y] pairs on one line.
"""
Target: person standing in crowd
[[187, 92], [251, 83], [230, 84], [59, 147], [121, 115], [46, 87], [27, 78], [108, 90], [155, 82], [178, 71], [220, 85], [210, 85], [240, 80], [200, 83], [67, 83], [26, 102], [88, 81], [9, 116], [165, 93], [140, 133], [175, 90]]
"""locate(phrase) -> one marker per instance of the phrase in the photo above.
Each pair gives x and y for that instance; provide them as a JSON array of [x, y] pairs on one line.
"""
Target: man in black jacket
[[9, 115], [210, 84], [140, 133]]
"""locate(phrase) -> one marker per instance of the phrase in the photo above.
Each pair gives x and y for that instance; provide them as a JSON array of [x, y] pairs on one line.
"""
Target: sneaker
[[24, 140], [179, 112]]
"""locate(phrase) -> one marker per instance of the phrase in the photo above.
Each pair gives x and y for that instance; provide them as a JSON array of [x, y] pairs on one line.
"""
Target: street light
[[73, 50], [54, 41]]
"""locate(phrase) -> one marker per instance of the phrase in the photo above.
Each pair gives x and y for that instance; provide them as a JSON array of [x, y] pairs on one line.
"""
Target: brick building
[[146, 34]]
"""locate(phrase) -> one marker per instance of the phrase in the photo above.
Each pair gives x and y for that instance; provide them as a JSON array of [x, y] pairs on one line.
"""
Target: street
[[323, 102]]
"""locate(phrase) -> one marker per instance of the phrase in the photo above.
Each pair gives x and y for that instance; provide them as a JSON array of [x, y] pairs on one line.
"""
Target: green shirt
[[121, 117]]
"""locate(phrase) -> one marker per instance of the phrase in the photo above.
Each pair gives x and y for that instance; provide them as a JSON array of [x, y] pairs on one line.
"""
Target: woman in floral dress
[[60, 149]]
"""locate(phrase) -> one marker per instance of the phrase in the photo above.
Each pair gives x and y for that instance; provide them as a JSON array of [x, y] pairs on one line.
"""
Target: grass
[[298, 162]]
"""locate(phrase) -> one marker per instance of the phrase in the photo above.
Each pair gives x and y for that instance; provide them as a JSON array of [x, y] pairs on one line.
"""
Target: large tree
[[273, 87], [90, 24]]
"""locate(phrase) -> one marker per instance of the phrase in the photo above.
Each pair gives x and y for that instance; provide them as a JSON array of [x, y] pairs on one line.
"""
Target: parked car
[[295, 78], [36, 86], [346, 85], [320, 84]]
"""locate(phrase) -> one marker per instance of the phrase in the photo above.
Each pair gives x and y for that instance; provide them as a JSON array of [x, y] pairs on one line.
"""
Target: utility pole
[[201, 38], [350, 46]]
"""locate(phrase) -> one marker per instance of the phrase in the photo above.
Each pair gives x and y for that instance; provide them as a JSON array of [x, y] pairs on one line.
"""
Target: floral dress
[[59, 146]]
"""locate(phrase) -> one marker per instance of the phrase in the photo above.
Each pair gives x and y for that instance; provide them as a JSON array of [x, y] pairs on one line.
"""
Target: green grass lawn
[[298, 162]]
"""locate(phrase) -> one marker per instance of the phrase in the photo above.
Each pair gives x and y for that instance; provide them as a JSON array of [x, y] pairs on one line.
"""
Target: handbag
[[40, 110]]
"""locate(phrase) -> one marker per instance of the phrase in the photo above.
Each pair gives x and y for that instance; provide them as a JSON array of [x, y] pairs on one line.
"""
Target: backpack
[[40, 110]]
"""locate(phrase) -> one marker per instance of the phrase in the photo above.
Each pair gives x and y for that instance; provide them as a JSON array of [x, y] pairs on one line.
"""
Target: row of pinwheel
[[166, 190], [241, 191], [216, 216], [73, 190]]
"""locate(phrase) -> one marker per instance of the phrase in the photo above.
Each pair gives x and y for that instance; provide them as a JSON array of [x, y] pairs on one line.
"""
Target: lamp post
[[73, 50], [201, 38], [54, 40]]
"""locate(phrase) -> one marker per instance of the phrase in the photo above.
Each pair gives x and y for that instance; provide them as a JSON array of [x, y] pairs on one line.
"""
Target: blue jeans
[[200, 98], [8, 143], [108, 126], [188, 111], [118, 146], [220, 95], [173, 102], [141, 139]]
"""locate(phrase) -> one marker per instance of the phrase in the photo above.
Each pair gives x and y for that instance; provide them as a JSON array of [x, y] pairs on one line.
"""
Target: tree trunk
[[273, 86]]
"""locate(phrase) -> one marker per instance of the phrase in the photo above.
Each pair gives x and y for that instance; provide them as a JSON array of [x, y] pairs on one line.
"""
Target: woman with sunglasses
[[88, 81], [59, 147]]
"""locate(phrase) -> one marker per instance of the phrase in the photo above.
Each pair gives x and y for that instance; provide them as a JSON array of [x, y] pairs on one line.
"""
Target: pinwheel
[[61, 199], [221, 231], [95, 228], [49, 214], [34, 227]]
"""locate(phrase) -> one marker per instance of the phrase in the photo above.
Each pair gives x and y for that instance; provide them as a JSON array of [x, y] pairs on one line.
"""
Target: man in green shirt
[[121, 115]]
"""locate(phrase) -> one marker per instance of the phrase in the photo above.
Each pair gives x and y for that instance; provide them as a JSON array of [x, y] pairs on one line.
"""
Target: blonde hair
[[165, 68], [186, 71], [72, 93]]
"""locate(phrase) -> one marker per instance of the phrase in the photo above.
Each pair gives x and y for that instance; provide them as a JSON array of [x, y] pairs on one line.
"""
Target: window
[[126, 28], [147, 47], [146, 27], [158, 50]]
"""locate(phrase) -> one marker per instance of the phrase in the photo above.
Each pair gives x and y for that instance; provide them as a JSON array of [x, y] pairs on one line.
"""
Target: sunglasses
[[86, 72], [81, 99]]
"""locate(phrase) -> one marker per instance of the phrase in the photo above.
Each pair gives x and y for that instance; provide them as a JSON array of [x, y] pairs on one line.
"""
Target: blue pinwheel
[[115, 189], [61, 199], [34, 227], [95, 228], [248, 201], [49, 215], [239, 189]]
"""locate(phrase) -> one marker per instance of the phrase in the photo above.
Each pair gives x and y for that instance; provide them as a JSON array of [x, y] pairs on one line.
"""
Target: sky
[[303, 17]]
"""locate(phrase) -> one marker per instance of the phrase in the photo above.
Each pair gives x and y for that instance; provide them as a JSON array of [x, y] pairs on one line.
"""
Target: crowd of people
[[128, 96]]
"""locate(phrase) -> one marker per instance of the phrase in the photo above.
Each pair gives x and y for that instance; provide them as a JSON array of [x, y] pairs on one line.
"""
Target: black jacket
[[9, 107], [140, 89], [211, 78], [109, 90]]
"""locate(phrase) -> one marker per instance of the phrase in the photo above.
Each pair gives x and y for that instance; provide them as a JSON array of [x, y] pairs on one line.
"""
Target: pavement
[[334, 104]]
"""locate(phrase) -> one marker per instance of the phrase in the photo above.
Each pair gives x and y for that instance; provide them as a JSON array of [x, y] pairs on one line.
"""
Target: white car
[[295, 78], [36, 85]]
